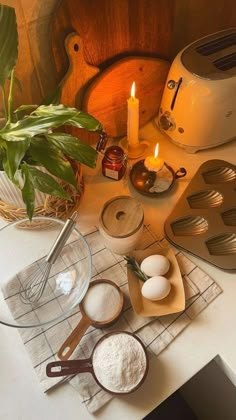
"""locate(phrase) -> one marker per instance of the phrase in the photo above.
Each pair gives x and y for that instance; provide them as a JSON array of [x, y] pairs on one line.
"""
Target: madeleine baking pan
[[203, 222]]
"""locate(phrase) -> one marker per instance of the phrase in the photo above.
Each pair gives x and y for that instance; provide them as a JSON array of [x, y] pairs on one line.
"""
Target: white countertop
[[212, 333]]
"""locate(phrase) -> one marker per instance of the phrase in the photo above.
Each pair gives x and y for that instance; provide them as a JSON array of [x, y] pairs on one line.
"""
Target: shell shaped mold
[[229, 217], [203, 221], [222, 244], [189, 226], [219, 175], [204, 199]]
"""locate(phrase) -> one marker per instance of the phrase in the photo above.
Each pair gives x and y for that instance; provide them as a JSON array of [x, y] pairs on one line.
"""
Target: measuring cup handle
[[69, 367], [74, 338]]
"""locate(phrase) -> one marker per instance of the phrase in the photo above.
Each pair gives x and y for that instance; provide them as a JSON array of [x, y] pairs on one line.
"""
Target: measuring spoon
[[138, 358], [101, 294]]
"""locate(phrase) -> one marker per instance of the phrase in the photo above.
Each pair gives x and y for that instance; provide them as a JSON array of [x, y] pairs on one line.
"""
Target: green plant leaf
[[46, 183], [47, 110], [21, 111], [74, 148], [28, 193], [75, 117], [48, 156], [45, 118], [2, 155], [8, 42], [30, 126], [87, 121], [15, 151], [25, 108]]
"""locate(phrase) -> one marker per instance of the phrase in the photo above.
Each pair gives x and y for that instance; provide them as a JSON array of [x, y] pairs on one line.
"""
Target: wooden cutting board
[[78, 74], [75, 81], [109, 31], [104, 94], [106, 97], [112, 29]]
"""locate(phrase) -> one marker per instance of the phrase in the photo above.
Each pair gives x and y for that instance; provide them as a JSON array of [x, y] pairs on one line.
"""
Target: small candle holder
[[154, 182]]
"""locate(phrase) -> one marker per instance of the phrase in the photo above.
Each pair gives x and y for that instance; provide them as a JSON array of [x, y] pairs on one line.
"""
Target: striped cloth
[[155, 332]]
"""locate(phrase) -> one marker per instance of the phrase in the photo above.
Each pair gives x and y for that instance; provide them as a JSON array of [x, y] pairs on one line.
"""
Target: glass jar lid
[[114, 154], [121, 216]]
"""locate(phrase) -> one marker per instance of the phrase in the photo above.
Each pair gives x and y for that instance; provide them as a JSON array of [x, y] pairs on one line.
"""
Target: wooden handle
[[74, 338], [78, 77], [69, 367], [78, 74]]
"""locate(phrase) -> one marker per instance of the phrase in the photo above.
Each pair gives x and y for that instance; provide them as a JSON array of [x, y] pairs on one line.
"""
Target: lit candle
[[133, 118], [154, 163]]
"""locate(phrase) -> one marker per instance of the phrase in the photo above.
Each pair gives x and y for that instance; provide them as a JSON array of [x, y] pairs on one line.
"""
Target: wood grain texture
[[109, 30], [79, 72], [112, 29], [196, 19], [75, 81], [106, 97]]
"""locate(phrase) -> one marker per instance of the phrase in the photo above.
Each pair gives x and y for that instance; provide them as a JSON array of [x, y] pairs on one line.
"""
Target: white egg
[[156, 288], [155, 265]]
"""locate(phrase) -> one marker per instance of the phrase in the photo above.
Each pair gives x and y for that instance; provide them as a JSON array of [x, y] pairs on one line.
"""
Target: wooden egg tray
[[203, 221]]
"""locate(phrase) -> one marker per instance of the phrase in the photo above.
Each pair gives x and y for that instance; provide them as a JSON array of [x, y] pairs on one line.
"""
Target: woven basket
[[52, 206]]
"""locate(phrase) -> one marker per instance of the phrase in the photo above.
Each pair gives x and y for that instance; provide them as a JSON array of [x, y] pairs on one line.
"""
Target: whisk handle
[[61, 239]]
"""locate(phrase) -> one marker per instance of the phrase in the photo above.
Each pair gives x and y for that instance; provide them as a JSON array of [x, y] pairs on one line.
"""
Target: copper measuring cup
[[74, 338], [72, 367]]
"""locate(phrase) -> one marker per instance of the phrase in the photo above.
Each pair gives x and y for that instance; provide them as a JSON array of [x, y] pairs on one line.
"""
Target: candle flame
[[132, 92], [156, 152]]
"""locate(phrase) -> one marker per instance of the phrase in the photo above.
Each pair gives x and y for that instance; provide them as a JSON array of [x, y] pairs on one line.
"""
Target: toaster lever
[[177, 85]]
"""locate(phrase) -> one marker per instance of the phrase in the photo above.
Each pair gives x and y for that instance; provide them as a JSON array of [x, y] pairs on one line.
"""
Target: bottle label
[[110, 173]]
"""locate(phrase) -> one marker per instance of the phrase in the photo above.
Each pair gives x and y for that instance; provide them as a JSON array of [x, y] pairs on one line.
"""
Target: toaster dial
[[171, 84], [166, 122]]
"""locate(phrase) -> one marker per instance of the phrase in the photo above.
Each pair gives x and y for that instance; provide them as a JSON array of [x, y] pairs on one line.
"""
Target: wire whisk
[[33, 289]]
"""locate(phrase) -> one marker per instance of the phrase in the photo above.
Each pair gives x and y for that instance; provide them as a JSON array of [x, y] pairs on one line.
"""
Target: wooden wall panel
[[197, 18], [113, 29]]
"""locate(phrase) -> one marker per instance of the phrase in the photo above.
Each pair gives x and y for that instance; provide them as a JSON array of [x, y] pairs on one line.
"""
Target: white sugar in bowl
[[121, 224]]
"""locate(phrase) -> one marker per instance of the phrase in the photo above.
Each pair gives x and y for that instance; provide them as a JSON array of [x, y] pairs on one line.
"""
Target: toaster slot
[[225, 63], [216, 45]]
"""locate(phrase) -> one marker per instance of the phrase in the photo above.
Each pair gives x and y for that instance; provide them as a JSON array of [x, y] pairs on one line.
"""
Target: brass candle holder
[[134, 151], [154, 182]]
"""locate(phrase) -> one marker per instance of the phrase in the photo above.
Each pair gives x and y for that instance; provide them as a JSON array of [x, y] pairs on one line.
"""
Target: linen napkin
[[156, 333]]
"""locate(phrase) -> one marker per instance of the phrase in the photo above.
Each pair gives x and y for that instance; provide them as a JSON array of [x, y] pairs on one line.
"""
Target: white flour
[[119, 362], [102, 302]]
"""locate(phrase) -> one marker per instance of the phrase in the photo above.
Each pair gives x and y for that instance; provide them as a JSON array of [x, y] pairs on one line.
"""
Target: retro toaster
[[198, 106]]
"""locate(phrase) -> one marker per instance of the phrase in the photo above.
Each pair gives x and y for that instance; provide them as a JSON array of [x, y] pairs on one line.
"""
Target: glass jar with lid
[[114, 162], [121, 224]]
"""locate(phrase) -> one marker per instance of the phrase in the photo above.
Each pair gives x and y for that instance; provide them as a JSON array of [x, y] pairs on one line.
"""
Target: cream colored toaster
[[198, 106]]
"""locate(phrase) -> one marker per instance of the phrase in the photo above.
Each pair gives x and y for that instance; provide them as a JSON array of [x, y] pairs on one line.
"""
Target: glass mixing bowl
[[24, 245]]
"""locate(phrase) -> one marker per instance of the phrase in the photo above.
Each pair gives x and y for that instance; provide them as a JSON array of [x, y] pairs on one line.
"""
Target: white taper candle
[[133, 119]]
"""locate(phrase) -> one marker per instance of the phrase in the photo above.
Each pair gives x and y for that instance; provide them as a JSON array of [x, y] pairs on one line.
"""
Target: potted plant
[[32, 155]]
